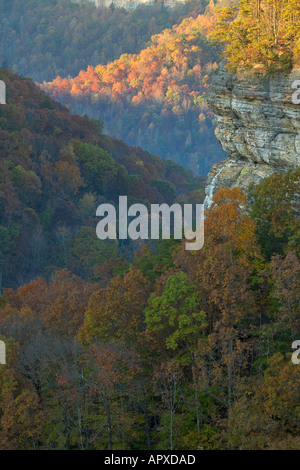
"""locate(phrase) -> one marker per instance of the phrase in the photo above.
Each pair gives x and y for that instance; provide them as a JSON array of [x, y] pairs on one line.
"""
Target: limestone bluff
[[131, 4], [258, 125]]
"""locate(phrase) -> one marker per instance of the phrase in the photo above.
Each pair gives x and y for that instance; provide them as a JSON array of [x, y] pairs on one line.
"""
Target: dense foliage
[[260, 33], [155, 99], [182, 351], [54, 171], [161, 348], [45, 38]]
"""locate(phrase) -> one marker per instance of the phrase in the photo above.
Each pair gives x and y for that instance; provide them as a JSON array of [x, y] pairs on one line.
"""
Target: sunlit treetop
[[260, 34]]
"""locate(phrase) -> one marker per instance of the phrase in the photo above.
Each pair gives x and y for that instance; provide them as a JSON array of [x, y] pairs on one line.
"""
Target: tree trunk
[[108, 417], [147, 424], [196, 394]]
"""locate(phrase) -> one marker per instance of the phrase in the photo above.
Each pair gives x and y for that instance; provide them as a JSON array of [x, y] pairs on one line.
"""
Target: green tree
[[275, 208], [176, 313]]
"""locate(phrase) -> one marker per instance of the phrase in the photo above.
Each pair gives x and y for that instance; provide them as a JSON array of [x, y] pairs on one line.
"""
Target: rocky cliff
[[131, 4], [258, 126]]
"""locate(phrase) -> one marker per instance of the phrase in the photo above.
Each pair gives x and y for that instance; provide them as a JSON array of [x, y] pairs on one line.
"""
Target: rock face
[[131, 4], [258, 126]]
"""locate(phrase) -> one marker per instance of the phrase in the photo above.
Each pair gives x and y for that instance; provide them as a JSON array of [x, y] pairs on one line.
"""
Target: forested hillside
[[184, 351], [155, 99], [45, 38], [54, 171], [116, 345]]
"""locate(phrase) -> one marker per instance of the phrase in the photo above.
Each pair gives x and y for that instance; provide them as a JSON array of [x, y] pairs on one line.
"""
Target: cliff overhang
[[258, 125]]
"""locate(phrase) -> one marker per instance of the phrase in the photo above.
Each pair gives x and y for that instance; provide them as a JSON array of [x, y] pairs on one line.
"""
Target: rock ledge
[[258, 126]]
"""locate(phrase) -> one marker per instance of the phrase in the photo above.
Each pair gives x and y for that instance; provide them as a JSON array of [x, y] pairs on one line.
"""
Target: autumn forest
[[127, 344]]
